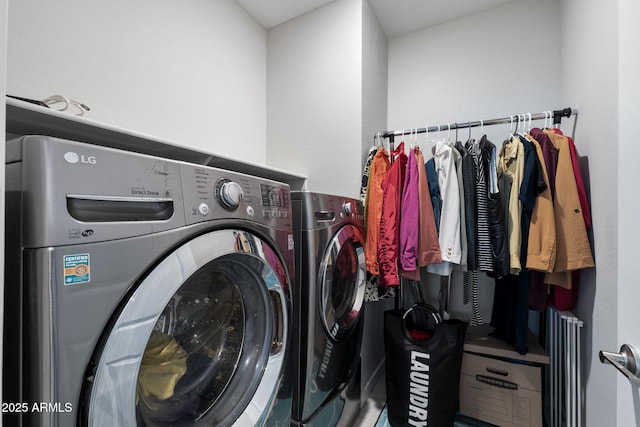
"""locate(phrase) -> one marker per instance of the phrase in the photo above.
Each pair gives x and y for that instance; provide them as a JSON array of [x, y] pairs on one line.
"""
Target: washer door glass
[[199, 341], [342, 282]]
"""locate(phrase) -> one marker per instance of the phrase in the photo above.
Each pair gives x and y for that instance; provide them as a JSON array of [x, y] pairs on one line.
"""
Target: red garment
[[389, 239], [582, 194], [419, 335], [565, 299]]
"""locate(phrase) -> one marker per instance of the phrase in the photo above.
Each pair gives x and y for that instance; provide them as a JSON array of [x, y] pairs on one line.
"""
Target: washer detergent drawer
[[94, 193]]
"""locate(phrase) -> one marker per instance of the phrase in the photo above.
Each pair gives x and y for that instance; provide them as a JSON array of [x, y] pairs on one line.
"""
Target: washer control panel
[[211, 193]]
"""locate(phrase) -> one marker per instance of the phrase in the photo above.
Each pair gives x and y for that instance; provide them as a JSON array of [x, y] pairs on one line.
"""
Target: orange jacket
[[379, 168]]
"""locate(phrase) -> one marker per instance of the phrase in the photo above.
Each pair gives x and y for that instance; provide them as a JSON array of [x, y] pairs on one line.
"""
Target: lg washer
[[328, 300], [142, 291]]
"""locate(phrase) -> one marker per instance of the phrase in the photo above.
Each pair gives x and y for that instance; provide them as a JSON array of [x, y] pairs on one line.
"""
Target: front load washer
[[142, 291], [328, 300]]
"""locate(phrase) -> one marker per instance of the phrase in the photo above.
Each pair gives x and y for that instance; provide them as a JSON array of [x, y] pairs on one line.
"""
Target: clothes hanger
[[413, 138], [511, 128], [435, 142], [426, 135]]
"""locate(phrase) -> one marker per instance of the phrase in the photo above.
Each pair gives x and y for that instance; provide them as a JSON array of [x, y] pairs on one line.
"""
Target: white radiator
[[563, 382]]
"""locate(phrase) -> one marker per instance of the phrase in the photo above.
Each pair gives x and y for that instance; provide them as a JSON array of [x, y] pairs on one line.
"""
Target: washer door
[[342, 282], [200, 341]]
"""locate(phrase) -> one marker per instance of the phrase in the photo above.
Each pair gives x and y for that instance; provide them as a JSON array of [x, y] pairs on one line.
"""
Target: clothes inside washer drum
[[163, 364]]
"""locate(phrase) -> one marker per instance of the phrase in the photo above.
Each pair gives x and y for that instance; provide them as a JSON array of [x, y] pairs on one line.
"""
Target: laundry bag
[[422, 366]]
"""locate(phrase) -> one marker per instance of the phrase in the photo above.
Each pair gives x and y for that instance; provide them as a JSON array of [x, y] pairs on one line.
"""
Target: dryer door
[[200, 341], [342, 282]]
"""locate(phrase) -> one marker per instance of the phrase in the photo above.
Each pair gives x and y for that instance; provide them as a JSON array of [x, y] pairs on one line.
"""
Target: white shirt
[[449, 233]]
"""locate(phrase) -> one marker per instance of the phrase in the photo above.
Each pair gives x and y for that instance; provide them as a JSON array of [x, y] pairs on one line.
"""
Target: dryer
[[328, 301], [142, 291]]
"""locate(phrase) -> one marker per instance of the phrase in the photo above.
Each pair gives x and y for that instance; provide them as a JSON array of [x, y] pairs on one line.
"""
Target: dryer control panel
[[211, 193]]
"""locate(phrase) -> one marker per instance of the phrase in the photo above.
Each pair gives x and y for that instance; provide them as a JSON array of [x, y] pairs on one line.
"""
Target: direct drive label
[[76, 269]]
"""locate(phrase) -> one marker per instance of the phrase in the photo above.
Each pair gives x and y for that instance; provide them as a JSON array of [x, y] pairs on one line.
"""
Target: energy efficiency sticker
[[76, 269]]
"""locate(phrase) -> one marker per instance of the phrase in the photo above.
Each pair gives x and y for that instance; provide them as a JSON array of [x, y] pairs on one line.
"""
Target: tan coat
[[558, 241], [573, 251]]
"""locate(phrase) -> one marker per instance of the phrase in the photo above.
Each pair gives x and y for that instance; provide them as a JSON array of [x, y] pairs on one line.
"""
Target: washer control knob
[[203, 209], [229, 194], [347, 208]]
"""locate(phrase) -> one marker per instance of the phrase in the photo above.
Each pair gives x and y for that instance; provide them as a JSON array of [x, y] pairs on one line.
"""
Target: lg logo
[[73, 158]]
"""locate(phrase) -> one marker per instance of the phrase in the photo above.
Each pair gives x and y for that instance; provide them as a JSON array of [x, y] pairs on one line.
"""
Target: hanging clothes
[[566, 298], [364, 184], [541, 247], [582, 193], [571, 220], [434, 191], [533, 185], [510, 313], [573, 251], [549, 156], [388, 243], [469, 184], [495, 212], [457, 160], [428, 244], [428, 247], [379, 168], [410, 220], [484, 252], [511, 164], [470, 210], [449, 231]]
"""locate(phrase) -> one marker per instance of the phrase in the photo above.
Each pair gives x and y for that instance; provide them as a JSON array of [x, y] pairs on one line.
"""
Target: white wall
[[590, 81], [374, 78], [315, 97], [628, 201], [3, 51], [487, 65], [490, 64], [374, 119], [190, 72]]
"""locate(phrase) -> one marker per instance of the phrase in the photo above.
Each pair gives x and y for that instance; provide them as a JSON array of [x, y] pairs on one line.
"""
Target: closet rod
[[557, 116]]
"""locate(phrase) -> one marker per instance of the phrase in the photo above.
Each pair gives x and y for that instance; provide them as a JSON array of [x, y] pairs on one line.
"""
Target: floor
[[374, 405]]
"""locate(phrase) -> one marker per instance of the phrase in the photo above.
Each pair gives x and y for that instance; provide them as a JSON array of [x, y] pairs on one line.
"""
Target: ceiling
[[397, 17]]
